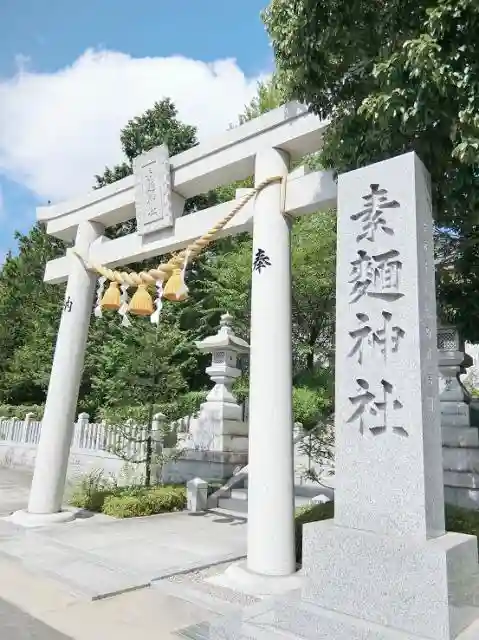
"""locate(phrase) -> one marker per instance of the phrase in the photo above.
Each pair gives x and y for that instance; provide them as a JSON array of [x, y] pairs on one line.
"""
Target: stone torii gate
[[263, 147], [384, 567]]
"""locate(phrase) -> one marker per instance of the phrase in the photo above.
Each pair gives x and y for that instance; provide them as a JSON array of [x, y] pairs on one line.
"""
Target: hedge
[[127, 502], [155, 500], [21, 410]]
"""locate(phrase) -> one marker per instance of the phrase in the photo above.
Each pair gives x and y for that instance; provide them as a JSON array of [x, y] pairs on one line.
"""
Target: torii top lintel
[[223, 160], [220, 160]]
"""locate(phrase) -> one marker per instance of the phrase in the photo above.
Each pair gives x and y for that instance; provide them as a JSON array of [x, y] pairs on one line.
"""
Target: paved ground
[[14, 488], [15, 624], [33, 607], [48, 577], [96, 558], [99, 556], [54, 581]]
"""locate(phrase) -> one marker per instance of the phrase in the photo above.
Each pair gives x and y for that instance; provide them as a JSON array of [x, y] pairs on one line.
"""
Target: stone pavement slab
[[15, 624], [139, 614], [14, 489], [95, 558], [33, 607]]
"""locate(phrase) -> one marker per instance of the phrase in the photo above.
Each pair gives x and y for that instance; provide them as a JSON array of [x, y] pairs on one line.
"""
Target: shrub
[[308, 406], [462, 520], [91, 491], [124, 506], [21, 410], [458, 520], [145, 501]]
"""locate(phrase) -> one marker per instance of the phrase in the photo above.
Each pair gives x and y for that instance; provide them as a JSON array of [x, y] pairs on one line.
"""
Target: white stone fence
[[94, 445], [87, 435]]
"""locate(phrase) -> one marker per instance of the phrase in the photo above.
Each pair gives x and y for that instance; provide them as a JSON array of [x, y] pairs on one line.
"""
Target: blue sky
[[72, 73]]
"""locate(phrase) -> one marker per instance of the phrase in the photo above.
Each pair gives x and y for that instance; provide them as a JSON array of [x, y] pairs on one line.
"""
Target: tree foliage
[[29, 317], [158, 125], [393, 77]]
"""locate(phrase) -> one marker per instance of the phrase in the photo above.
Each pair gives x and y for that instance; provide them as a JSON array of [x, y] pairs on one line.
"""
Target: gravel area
[[196, 580]]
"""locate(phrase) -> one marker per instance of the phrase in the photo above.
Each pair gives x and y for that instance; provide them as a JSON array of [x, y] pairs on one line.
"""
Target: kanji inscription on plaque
[[153, 200]]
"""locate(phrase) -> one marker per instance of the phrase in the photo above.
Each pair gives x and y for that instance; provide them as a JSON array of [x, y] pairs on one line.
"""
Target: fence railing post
[[11, 429], [81, 431], [3, 427], [26, 427]]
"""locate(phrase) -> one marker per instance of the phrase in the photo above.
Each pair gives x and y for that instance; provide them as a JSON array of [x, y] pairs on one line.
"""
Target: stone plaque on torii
[[153, 205]]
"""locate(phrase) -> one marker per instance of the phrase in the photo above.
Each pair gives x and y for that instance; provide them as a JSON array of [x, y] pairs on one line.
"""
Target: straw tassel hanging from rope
[[176, 289], [111, 298], [141, 303]]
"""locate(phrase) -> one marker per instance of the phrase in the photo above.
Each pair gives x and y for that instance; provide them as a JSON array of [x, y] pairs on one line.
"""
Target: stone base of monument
[[359, 585], [424, 588], [25, 519], [289, 619]]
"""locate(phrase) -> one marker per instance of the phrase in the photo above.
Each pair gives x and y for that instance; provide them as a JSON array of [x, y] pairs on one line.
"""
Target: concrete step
[[460, 436], [463, 479], [238, 502], [462, 497], [239, 494], [228, 514], [460, 458], [196, 595]]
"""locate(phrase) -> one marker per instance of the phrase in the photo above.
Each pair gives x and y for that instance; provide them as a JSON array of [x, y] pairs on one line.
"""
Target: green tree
[[156, 126], [225, 286], [29, 317], [393, 77], [30, 310], [146, 373], [270, 95]]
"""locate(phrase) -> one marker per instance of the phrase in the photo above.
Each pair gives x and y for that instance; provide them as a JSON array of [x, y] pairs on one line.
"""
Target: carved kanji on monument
[[372, 216]]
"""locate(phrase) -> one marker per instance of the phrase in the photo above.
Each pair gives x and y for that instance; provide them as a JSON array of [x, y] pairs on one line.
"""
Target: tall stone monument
[[386, 558], [384, 568]]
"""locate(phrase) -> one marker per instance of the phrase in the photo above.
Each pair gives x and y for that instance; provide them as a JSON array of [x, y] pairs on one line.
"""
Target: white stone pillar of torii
[[271, 549], [46, 493], [263, 147]]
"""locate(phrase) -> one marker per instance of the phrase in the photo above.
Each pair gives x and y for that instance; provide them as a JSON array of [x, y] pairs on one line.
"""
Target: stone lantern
[[453, 361], [220, 428], [225, 349], [460, 450]]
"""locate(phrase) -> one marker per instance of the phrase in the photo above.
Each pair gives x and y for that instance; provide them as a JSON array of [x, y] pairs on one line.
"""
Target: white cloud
[[57, 130]]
